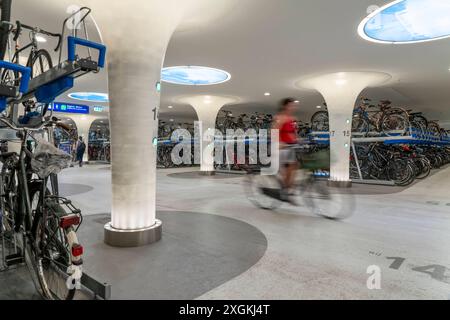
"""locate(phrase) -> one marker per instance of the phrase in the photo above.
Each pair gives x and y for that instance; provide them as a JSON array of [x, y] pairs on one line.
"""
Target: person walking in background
[[81, 149]]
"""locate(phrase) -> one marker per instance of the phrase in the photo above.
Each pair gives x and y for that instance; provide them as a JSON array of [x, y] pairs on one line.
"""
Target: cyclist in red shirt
[[286, 122]]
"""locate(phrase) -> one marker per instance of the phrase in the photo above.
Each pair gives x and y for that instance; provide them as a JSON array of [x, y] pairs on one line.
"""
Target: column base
[[339, 184], [133, 238], [207, 173]]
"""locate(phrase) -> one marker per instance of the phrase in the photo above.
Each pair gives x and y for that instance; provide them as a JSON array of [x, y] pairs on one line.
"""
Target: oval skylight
[[90, 96], [408, 21], [194, 75]]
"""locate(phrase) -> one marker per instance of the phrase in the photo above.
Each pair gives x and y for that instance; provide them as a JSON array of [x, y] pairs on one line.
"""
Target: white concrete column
[[340, 91], [136, 50], [207, 108], [137, 34]]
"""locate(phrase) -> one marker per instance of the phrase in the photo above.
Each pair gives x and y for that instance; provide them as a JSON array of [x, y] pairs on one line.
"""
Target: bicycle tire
[[320, 121], [253, 184], [52, 277], [426, 169], [5, 8], [396, 122], [327, 202], [360, 125], [435, 129], [37, 63]]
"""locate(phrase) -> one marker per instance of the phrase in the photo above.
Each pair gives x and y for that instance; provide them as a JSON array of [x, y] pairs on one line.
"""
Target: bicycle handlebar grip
[[59, 41], [73, 41], [25, 71]]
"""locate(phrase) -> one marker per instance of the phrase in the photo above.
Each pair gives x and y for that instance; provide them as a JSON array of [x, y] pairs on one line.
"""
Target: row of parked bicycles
[[401, 164], [384, 119], [256, 121]]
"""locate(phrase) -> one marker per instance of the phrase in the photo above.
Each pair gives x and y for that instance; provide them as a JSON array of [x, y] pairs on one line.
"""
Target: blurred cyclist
[[286, 122]]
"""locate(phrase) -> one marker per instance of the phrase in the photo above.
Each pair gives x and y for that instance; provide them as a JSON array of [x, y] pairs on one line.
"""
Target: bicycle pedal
[[14, 259]]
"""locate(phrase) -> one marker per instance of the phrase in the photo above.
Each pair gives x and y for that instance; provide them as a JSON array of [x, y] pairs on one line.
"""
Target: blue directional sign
[[69, 108]]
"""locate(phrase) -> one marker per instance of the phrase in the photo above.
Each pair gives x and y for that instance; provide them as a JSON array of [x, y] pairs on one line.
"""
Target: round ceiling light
[[407, 21], [194, 75], [90, 96]]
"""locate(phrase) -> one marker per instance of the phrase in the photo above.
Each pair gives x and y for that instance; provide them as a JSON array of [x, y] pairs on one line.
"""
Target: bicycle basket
[[319, 160], [48, 159]]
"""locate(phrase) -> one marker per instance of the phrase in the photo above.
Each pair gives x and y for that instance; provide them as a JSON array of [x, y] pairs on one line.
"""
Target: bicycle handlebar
[[44, 124], [20, 26]]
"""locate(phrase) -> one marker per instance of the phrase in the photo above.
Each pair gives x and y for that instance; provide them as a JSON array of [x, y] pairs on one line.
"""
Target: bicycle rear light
[[69, 221], [77, 250]]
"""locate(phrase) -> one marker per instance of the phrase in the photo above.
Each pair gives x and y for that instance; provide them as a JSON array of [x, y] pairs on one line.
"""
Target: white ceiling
[[268, 45]]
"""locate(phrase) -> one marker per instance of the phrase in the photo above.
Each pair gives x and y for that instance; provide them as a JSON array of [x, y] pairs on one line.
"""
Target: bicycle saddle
[[385, 102]]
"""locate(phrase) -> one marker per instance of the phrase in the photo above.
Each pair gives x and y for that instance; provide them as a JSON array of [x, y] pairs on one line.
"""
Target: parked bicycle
[[37, 225], [383, 119], [402, 164]]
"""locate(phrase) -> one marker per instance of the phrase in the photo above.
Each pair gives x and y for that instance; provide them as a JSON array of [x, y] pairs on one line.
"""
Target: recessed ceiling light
[[194, 75], [172, 120], [41, 39], [319, 107], [296, 101], [407, 21], [267, 94], [90, 96], [170, 107]]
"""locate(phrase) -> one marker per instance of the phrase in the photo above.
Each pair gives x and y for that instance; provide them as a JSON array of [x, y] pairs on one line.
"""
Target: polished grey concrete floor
[[198, 252], [308, 257]]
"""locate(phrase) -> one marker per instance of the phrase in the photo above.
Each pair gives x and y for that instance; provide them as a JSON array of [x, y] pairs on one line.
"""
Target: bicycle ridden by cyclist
[[286, 122]]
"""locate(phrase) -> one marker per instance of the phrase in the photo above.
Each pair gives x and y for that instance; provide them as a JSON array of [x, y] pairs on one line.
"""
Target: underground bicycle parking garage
[[224, 150]]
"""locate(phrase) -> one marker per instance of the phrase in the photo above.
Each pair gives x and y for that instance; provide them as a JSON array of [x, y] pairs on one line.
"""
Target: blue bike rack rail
[[59, 79], [11, 91], [73, 42], [415, 137]]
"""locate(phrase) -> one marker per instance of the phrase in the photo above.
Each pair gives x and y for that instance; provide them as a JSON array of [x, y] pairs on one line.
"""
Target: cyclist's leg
[[289, 165]]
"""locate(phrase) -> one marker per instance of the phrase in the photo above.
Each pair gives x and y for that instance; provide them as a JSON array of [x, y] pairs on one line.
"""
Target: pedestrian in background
[[81, 149]]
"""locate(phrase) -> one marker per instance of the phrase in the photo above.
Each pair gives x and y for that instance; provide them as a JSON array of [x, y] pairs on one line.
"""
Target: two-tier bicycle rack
[[413, 137], [45, 88]]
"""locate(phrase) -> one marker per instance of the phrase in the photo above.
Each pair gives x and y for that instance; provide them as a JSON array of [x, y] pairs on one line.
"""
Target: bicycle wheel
[[434, 128], [400, 172], [40, 63], [394, 124], [263, 191], [52, 248], [425, 166], [5, 9], [8, 189], [360, 124], [328, 202], [320, 122]]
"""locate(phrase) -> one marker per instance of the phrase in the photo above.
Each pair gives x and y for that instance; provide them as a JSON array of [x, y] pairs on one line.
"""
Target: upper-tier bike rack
[[414, 138], [57, 80]]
